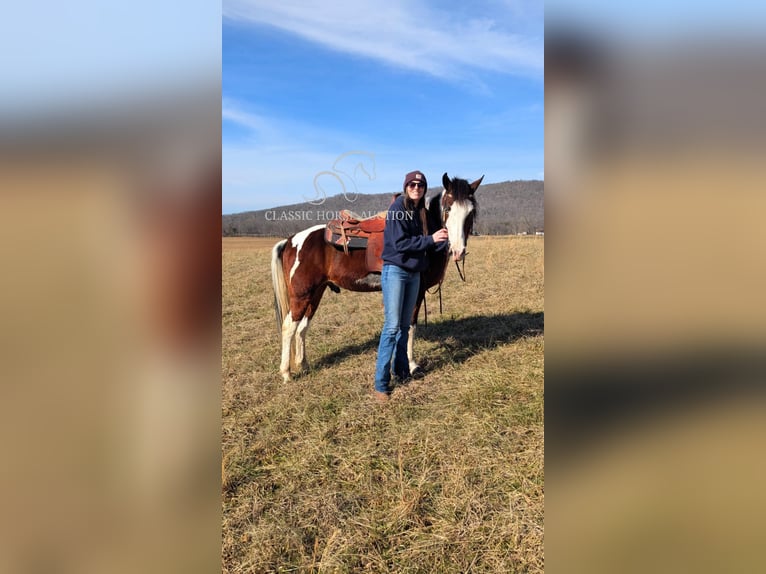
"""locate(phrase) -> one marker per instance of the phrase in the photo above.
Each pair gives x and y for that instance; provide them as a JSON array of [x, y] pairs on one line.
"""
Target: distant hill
[[505, 208]]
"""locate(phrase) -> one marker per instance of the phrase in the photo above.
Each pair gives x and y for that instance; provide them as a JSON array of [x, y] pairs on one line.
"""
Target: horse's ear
[[475, 185], [446, 181]]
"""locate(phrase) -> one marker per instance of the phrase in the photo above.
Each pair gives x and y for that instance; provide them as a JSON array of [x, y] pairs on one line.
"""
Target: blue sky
[[311, 93]]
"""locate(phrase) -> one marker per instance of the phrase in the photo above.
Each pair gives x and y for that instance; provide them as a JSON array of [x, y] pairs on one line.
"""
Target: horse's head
[[458, 208]]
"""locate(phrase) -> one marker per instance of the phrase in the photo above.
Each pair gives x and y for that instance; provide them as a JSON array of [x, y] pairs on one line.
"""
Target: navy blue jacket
[[404, 244]]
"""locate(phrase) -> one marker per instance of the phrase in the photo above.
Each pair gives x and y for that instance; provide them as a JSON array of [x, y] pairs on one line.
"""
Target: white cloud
[[408, 34], [231, 112], [282, 132]]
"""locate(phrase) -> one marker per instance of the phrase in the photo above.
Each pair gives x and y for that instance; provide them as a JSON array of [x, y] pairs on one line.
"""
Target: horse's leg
[[301, 363], [413, 324], [288, 332], [300, 338]]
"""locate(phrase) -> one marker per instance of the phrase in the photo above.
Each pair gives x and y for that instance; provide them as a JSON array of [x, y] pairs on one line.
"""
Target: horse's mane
[[434, 213], [462, 191]]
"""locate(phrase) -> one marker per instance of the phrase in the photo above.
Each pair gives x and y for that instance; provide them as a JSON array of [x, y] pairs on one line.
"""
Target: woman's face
[[416, 190]]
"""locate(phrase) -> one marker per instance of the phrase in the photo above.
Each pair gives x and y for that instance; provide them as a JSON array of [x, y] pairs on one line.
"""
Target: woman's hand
[[440, 235]]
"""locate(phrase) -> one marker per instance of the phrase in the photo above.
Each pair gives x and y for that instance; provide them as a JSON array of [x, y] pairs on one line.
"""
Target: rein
[[459, 272]]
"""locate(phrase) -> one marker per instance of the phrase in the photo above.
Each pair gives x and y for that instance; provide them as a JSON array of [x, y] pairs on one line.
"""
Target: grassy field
[[446, 477]]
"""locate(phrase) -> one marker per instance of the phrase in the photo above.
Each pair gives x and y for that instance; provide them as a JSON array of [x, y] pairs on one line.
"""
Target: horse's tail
[[281, 299]]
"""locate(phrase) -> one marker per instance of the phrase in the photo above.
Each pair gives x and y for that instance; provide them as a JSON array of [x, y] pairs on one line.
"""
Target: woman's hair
[[409, 205]]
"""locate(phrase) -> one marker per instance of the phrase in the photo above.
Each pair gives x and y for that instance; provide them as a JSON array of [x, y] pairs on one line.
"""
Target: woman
[[405, 245]]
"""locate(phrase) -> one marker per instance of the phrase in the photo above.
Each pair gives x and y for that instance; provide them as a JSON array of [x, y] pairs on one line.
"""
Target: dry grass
[[447, 477]]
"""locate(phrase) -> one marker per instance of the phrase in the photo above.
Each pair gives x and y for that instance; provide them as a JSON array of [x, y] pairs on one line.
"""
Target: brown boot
[[380, 397]]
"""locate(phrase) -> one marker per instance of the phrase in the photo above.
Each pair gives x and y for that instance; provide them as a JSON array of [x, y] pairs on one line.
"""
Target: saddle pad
[[336, 240]]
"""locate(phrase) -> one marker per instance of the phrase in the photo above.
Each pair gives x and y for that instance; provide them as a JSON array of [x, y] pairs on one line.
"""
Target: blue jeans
[[400, 292]]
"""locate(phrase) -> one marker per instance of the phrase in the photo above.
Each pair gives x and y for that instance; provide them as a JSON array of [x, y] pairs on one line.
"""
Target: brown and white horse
[[304, 265]]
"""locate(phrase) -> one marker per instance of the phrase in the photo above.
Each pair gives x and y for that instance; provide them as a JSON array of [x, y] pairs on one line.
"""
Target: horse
[[304, 265]]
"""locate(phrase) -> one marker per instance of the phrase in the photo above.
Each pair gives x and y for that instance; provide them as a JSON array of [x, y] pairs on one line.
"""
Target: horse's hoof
[[286, 377], [418, 373]]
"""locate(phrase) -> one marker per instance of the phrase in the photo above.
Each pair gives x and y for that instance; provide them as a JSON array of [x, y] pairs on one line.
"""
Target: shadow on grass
[[460, 339], [343, 353]]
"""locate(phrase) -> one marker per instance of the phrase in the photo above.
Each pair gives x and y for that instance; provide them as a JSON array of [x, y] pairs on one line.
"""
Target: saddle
[[350, 231]]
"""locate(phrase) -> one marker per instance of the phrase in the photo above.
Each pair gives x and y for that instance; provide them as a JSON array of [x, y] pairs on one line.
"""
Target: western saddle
[[350, 231]]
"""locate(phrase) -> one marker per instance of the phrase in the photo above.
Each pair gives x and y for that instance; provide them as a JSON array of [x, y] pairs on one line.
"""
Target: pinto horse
[[304, 265]]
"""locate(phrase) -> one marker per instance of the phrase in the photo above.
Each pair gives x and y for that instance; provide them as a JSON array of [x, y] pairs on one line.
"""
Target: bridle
[[446, 207]]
